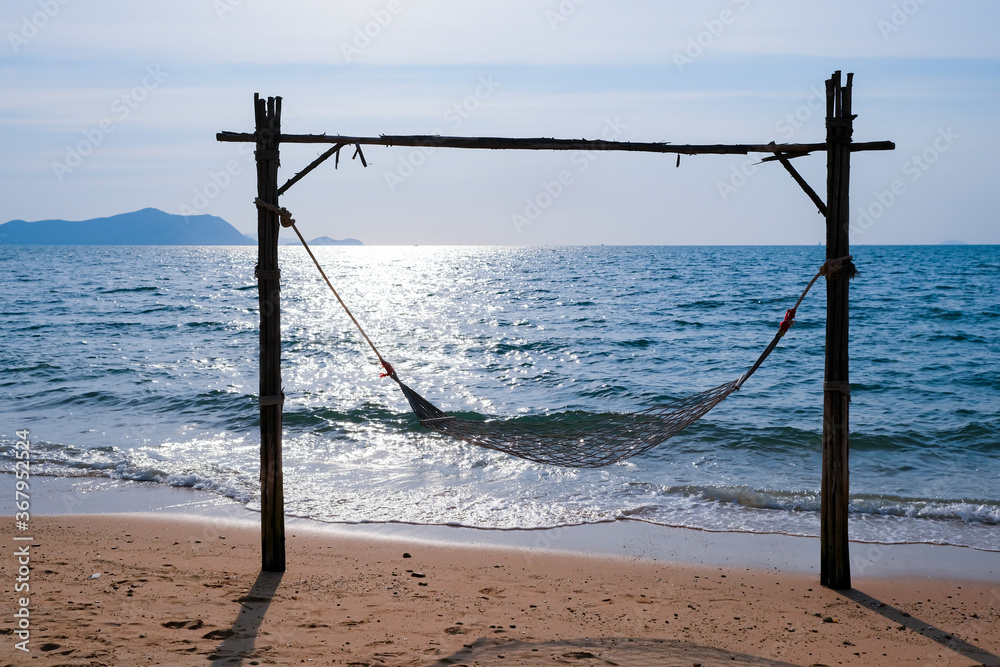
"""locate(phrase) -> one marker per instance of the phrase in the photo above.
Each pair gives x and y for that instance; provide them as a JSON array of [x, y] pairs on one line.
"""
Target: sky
[[114, 106]]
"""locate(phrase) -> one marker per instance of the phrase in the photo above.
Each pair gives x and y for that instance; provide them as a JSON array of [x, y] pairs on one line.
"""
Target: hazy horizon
[[116, 108]]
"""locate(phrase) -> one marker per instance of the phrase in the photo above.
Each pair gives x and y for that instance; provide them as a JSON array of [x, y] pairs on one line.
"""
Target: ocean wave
[[155, 377], [130, 290], [149, 465], [968, 510], [59, 460]]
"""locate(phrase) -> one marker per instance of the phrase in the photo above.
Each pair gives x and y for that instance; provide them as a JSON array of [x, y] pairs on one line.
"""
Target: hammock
[[589, 441], [569, 440]]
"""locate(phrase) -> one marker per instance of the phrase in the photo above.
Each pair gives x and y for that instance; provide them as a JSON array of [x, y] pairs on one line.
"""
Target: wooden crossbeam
[[550, 144]]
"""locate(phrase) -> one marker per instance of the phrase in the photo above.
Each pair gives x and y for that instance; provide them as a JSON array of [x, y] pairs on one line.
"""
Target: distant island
[[326, 240], [319, 240], [149, 226]]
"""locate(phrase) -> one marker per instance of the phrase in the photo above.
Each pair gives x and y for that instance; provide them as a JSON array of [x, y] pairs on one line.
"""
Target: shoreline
[[620, 539], [177, 581]]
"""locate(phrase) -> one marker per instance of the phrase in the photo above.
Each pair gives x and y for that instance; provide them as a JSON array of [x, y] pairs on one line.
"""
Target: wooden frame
[[835, 569]]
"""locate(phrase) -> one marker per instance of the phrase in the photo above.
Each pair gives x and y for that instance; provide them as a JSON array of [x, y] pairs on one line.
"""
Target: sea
[[141, 363]]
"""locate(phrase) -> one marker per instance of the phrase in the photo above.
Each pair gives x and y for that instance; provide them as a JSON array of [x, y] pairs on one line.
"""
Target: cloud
[[716, 71], [498, 32]]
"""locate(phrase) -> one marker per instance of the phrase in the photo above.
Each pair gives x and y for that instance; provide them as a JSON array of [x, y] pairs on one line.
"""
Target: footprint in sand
[[189, 624]]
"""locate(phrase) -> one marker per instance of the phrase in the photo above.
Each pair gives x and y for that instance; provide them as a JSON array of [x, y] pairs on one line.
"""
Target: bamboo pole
[[786, 163], [835, 566], [312, 165], [272, 504], [543, 143]]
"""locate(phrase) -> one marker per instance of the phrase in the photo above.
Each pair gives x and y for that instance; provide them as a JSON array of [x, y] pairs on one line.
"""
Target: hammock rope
[[574, 439]]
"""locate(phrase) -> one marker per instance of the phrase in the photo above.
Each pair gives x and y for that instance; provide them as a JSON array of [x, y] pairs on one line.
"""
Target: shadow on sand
[[913, 624], [603, 651], [240, 639]]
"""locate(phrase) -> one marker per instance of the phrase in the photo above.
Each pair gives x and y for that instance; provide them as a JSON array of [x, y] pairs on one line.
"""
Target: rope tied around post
[[841, 122], [839, 267], [284, 215], [278, 399], [842, 387]]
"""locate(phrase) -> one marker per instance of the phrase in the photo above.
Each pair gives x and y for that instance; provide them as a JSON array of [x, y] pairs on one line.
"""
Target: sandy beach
[[178, 589]]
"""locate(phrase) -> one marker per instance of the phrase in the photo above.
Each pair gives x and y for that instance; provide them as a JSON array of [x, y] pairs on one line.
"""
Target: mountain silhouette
[[149, 226]]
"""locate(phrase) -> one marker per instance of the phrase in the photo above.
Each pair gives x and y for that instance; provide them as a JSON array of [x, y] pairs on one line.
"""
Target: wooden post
[[835, 566], [272, 504]]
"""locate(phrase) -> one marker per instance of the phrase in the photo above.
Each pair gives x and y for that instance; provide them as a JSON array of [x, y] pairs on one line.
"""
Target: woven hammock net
[[579, 441], [594, 440], [573, 440], [590, 440]]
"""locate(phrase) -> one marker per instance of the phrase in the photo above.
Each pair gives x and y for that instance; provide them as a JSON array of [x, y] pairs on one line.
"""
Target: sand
[[145, 589]]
